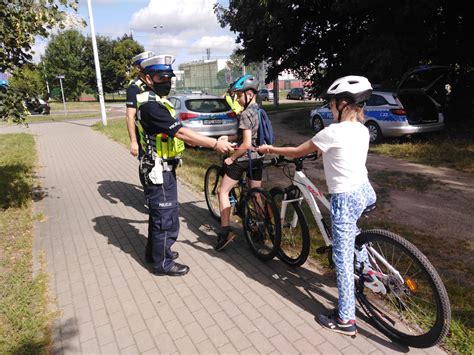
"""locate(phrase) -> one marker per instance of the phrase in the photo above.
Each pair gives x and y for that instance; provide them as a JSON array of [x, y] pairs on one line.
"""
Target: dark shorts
[[236, 170]]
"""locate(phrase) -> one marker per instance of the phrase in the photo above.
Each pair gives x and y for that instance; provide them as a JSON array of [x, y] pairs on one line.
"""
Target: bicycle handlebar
[[282, 159]]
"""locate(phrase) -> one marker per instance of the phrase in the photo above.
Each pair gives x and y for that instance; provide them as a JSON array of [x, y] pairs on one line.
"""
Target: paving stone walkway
[[93, 239]]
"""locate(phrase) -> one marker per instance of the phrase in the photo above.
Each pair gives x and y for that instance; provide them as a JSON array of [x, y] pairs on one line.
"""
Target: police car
[[413, 109], [206, 114]]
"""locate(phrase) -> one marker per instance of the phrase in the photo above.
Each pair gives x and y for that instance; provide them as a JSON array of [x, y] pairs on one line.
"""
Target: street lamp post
[[97, 65], [61, 77]]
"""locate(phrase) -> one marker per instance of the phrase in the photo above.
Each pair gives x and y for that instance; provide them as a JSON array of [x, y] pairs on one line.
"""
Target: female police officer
[[161, 137]]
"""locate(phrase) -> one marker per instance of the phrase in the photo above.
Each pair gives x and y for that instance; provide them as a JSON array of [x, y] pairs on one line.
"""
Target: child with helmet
[[245, 88], [344, 147]]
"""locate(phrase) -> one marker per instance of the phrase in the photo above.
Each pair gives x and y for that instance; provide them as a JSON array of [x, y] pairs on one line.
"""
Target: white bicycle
[[412, 307]]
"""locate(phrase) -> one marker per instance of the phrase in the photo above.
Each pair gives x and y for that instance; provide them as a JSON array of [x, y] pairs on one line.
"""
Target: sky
[[184, 28]]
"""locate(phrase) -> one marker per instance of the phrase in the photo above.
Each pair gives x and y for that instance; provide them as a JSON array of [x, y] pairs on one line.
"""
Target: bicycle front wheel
[[413, 306], [212, 181], [295, 239], [261, 223]]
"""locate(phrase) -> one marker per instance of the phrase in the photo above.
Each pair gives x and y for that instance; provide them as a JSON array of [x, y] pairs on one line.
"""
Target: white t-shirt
[[345, 146]]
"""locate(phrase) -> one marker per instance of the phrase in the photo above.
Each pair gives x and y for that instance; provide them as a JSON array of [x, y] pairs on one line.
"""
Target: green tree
[[65, 55], [124, 50], [28, 81], [322, 40], [22, 20], [105, 51], [114, 56]]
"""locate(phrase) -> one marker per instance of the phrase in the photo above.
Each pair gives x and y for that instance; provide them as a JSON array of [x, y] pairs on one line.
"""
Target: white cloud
[[219, 44], [176, 16], [188, 28]]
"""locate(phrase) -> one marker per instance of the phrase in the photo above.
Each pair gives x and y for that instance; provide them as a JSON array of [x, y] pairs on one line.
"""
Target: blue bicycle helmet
[[245, 82]]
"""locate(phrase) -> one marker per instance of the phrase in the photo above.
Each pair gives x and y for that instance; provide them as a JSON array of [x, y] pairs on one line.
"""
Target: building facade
[[202, 74]]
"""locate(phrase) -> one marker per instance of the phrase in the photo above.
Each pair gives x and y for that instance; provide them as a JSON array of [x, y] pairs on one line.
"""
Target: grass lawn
[[24, 318], [452, 147], [59, 106], [457, 275]]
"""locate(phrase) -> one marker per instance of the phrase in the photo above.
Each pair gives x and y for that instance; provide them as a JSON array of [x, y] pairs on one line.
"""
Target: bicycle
[[413, 310], [255, 207]]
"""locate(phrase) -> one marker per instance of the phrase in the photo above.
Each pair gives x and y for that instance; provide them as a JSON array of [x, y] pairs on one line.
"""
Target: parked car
[[265, 94], [415, 107], [298, 94], [206, 114], [37, 106]]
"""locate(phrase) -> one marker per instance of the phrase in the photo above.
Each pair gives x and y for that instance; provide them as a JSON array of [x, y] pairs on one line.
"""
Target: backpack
[[265, 129]]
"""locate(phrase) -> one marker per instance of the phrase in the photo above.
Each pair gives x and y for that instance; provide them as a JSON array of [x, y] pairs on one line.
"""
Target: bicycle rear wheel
[[415, 309], [212, 181], [295, 239], [261, 223]]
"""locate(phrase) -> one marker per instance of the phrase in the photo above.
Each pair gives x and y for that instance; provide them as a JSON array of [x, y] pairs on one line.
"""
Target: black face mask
[[162, 89]]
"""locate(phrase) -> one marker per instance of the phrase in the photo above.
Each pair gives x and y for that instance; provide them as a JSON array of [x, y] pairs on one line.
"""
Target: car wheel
[[300, 97], [287, 97], [374, 132], [317, 124]]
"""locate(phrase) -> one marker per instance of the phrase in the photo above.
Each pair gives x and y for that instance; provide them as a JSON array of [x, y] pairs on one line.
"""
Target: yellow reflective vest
[[137, 82], [233, 103], [164, 146]]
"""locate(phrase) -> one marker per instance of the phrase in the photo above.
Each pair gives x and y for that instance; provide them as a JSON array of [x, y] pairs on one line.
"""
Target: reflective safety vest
[[233, 103], [164, 146], [137, 82]]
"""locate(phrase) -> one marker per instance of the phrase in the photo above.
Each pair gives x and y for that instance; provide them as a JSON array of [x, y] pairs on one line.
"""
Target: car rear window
[[207, 105]]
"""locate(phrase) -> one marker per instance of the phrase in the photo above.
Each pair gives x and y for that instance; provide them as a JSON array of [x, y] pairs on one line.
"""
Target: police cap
[[159, 64], [141, 57]]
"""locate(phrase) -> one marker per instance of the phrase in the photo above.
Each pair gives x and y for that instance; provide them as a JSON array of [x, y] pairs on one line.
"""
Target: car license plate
[[211, 122]]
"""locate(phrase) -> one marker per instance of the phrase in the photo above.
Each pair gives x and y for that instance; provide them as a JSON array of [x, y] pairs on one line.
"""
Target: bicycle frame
[[310, 193]]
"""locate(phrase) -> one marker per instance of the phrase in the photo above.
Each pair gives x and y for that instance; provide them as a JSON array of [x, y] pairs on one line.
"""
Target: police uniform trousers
[[163, 221]]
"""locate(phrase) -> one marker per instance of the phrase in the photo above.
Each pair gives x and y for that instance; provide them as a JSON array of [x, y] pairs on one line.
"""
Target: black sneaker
[[223, 239], [332, 322]]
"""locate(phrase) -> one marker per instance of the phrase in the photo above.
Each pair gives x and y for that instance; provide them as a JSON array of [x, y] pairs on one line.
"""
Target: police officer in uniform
[[135, 87], [161, 137], [231, 98]]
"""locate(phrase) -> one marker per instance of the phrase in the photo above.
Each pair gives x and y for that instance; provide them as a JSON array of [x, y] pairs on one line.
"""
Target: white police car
[[414, 108]]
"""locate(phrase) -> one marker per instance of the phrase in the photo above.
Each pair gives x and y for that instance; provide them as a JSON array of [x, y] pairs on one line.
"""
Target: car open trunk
[[422, 93]]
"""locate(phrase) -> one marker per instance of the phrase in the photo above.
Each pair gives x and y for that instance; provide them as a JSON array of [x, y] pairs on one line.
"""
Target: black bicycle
[[254, 206]]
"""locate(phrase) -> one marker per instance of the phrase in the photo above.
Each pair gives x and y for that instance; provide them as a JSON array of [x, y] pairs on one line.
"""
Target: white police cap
[[160, 64], [141, 57]]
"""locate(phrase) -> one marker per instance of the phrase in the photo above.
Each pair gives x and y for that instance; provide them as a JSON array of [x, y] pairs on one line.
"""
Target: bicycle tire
[[211, 190], [261, 226], [295, 242], [435, 318]]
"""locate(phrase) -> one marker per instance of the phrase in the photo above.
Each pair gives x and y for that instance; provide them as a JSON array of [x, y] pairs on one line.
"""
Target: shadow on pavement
[[123, 234], [298, 285], [130, 195]]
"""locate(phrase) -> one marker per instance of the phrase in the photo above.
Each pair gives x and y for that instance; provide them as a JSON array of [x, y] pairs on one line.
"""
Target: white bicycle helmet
[[354, 88]]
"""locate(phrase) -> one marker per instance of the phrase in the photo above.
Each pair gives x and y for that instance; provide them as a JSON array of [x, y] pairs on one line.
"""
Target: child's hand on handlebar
[[264, 148]]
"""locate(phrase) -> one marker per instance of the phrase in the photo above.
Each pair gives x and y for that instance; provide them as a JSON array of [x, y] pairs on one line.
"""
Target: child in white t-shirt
[[344, 147]]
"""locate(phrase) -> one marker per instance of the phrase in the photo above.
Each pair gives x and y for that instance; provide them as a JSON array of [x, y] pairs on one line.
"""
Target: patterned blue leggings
[[346, 208]]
